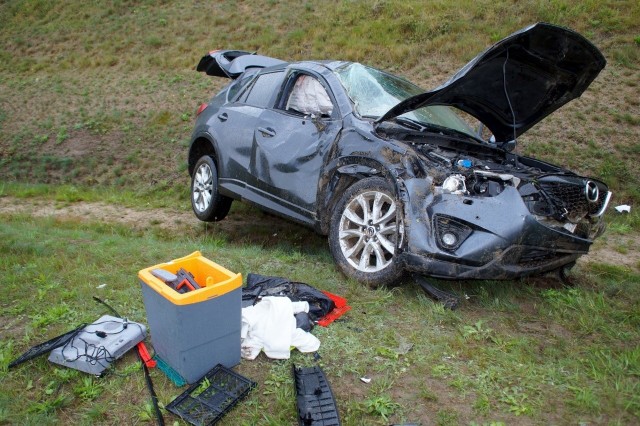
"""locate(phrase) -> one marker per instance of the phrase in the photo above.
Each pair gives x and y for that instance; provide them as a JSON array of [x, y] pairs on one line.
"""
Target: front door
[[291, 143]]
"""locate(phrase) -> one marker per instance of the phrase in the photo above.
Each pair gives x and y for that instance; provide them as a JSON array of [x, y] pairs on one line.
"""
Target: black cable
[[506, 94], [115, 313], [147, 376], [154, 397], [93, 354]]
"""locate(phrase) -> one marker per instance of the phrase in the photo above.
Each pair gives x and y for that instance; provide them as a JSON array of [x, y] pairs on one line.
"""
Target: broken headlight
[[454, 184], [480, 185]]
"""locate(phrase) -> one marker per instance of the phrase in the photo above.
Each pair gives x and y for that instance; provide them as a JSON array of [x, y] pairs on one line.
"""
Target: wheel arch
[[201, 145], [345, 172]]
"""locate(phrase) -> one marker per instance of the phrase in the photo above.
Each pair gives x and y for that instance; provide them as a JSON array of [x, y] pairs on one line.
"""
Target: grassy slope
[[103, 95]]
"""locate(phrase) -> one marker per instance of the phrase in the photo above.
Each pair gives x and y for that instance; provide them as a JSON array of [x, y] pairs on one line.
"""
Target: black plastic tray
[[213, 396]]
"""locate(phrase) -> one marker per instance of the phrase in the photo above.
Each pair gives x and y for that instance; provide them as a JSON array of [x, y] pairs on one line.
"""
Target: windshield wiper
[[412, 124]]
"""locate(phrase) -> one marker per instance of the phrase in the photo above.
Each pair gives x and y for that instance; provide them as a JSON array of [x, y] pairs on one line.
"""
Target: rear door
[[291, 142]]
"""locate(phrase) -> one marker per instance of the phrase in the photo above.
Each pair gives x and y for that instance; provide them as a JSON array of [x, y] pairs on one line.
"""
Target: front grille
[[569, 195]]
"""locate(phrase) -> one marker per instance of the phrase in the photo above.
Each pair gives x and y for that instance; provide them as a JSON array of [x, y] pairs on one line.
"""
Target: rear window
[[262, 90]]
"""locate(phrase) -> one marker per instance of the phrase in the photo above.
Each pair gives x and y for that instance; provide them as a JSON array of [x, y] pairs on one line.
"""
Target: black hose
[[147, 377]]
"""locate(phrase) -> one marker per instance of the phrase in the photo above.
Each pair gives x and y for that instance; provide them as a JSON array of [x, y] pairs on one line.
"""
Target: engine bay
[[556, 197]]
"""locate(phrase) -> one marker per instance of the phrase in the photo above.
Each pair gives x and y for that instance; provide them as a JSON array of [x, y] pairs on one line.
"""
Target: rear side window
[[240, 83], [262, 90]]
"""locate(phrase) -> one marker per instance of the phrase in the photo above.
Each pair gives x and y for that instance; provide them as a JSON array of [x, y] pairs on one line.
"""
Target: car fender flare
[[344, 172], [202, 143]]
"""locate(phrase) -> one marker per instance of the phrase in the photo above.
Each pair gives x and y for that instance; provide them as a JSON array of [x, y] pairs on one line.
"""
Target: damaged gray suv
[[394, 175]]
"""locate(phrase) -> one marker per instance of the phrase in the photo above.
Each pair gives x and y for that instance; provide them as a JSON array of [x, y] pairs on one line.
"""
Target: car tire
[[207, 203], [363, 233]]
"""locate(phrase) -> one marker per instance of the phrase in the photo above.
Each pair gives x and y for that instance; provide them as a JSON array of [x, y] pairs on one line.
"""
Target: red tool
[[144, 355], [182, 281], [188, 283]]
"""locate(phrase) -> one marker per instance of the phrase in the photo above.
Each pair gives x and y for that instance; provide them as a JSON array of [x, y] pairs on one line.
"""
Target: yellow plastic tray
[[214, 279]]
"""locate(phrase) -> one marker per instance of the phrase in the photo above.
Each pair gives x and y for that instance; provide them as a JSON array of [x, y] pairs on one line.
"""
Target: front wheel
[[207, 203], [365, 231]]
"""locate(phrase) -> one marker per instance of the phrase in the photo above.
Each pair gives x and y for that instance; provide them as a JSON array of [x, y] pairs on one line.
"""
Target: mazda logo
[[591, 191]]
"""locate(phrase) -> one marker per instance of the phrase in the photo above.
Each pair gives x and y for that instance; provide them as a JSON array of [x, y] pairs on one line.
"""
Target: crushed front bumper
[[494, 238]]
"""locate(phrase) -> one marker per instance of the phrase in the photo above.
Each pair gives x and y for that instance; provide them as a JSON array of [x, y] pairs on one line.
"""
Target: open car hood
[[537, 70], [232, 63]]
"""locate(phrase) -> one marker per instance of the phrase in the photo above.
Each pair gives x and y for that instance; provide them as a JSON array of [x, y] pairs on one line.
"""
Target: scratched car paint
[[392, 174]]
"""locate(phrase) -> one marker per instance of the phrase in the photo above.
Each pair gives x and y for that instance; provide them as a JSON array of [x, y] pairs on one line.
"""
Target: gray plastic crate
[[194, 337]]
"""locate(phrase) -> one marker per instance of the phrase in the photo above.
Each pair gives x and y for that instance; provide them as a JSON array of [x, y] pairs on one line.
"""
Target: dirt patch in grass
[[13, 327], [98, 212], [609, 251], [82, 143]]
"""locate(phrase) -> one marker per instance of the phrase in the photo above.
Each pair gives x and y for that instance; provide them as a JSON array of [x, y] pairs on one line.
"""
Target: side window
[[309, 97], [240, 83], [262, 89]]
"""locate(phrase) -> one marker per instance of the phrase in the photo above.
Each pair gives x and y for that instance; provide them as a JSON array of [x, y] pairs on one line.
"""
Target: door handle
[[223, 116], [267, 132]]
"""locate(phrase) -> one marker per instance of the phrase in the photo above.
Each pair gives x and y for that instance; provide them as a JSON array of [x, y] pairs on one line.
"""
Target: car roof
[[307, 64]]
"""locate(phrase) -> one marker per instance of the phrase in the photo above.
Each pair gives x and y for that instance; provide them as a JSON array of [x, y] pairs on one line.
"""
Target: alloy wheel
[[369, 232], [202, 187]]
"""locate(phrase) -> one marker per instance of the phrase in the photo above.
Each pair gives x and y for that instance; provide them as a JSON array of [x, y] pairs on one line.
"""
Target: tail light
[[201, 108]]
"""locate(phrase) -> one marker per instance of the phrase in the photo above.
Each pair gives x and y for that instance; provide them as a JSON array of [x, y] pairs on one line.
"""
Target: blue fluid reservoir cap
[[465, 163]]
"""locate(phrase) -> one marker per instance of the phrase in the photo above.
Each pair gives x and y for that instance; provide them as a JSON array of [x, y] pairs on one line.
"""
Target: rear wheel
[[207, 203], [364, 233]]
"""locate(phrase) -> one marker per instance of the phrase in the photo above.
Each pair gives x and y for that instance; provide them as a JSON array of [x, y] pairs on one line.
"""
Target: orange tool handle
[[144, 354]]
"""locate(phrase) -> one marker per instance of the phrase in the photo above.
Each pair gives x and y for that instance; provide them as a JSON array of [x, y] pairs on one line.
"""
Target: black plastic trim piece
[[316, 404], [47, 346]]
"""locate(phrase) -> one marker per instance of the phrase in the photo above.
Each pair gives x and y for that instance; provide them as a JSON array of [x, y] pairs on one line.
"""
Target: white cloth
[[269, 325]]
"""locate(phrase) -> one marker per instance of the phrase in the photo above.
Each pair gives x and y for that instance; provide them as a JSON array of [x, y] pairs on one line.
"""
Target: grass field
[[97, 102]]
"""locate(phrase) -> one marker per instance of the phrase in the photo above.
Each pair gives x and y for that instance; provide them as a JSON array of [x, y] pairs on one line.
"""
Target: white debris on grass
[[623, 208]]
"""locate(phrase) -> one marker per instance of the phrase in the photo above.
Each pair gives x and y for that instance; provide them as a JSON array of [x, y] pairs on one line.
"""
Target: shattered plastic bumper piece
[[316, 404]]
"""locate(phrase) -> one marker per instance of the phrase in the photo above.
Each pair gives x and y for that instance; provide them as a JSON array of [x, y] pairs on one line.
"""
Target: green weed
[[279, 379], [147, 414], [65, 374], [6, 354], [446, 418], [98, 412], [51, 405], [381, 406], [63, 135], [477, 331], [88, 389], [517, 400]]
